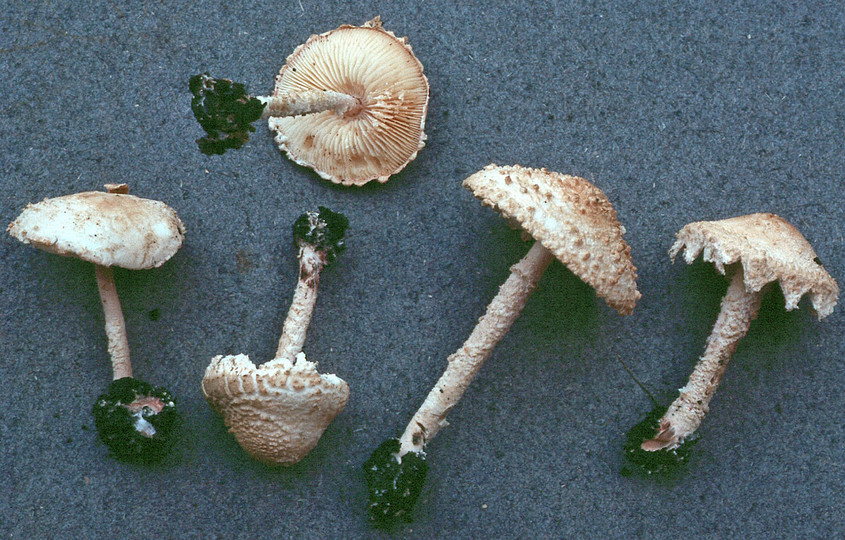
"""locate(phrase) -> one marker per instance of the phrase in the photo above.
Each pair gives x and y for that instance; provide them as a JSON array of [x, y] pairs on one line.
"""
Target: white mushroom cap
[[373, 65], [572, 218], [770, 249], [278, 411], [108, 229]]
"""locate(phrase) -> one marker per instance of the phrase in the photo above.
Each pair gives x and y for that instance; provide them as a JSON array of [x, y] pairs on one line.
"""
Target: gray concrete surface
[[679, 111]]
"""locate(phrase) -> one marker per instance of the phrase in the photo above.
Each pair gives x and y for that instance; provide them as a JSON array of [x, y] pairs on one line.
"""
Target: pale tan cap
[[770, 249], [108, 229], [385, 134], [278, 411], [572, 218]]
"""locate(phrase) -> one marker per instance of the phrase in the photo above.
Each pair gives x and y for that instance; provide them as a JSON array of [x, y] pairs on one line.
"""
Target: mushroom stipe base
[[138, 422], [665, 461], [395, 482]]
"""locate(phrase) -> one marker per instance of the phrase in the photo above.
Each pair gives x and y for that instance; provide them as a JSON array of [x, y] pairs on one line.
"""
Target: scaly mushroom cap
[[572, 218], [109, 229], [277, 411], [373, 65], [770, 249]]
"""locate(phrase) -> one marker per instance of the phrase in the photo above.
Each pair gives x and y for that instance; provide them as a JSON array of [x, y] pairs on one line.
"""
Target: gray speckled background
[[678, 111]]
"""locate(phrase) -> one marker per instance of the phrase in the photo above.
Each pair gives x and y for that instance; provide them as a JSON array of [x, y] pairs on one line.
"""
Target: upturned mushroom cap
[[379, 138], [572, 218], [109, 229], [769, 249], [277, 411]]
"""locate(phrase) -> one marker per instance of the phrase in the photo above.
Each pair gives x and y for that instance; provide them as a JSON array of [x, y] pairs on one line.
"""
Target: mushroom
[[135, 420], [278, 411], [570, 219], [349, 103], [755, 250]]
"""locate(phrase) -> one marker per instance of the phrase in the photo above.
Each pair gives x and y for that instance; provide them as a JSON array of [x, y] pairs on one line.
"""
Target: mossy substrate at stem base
[[394, 483], [667, 461], [140, 436], [225, 111]]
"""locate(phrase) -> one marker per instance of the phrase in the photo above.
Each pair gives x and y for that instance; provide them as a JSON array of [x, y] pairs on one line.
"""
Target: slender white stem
[[464, 364], [739, 308], [309, 101], [311, 263], [115, 325]]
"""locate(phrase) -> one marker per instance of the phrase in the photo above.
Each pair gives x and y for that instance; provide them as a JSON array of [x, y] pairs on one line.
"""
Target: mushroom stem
[[115, 325], [739, 308], [311, 263], [464, 364], [309, 101]]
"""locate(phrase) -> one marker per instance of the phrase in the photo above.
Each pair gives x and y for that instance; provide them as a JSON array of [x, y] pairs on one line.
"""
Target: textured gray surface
[[678, 112]]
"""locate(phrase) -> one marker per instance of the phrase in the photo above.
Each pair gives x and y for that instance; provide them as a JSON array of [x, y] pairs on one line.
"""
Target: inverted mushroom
[[350, 103], [135, 420], [571, 220], [756, 250], [278, 411]]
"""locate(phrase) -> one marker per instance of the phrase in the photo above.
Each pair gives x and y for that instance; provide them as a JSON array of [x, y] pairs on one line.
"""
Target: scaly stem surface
[[115, 325], [311, 263], [464, 364], [685, 414], [309, 101]]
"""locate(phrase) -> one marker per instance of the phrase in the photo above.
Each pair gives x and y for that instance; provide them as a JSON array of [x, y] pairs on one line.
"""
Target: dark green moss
[[225, 111], [667, 461], [136, 421], [323, 229], [394, 483]]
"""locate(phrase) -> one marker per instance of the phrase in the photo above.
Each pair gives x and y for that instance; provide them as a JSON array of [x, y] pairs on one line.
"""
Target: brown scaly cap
[[109, 229], [374, 141], [276, 411], [770, 249], [572, 218]]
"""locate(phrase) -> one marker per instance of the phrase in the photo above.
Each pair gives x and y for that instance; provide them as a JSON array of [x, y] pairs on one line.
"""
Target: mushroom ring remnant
[[278, 411], [757, 250], [136, 421], [571, 220]]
